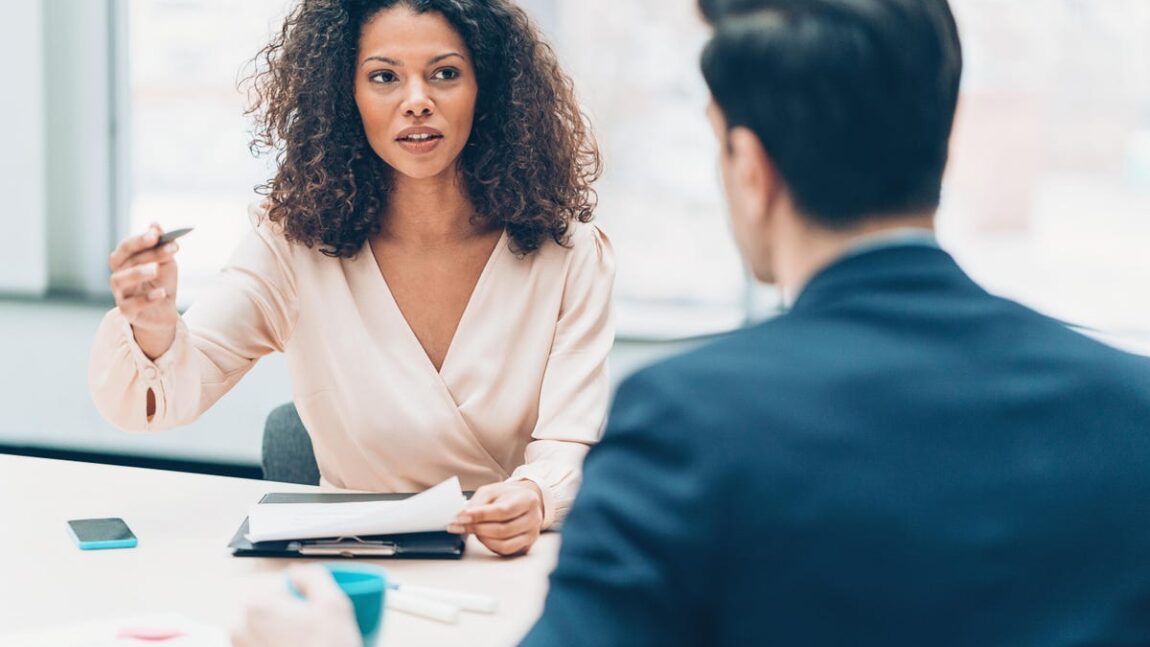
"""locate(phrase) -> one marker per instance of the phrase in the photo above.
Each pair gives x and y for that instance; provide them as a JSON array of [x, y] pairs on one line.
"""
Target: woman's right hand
[[144, 285]]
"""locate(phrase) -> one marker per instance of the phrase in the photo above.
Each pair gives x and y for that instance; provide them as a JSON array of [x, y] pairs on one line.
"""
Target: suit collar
[[883, 268], [899, 237]]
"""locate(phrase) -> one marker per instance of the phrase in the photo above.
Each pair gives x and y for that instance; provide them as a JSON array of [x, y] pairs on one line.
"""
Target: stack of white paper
[[428, 511]]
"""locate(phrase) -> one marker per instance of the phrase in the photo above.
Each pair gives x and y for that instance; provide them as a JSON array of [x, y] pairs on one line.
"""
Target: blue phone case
[[102, 544]]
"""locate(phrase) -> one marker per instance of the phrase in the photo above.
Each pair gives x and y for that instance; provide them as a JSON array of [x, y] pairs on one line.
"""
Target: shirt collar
[[885, 239]]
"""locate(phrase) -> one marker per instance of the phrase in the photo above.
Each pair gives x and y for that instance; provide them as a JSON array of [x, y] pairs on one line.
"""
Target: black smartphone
[[168, 237], [97, 534]]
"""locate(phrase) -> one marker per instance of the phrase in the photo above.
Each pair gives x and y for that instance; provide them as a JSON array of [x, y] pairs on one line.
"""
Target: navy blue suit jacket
[[901, 460]]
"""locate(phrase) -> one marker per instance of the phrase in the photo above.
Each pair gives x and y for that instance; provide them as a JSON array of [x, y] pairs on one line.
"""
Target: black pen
[[172, 235]]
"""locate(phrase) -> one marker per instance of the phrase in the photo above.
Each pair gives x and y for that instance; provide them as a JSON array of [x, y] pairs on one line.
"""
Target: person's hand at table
[[279, 619], [505, 517]]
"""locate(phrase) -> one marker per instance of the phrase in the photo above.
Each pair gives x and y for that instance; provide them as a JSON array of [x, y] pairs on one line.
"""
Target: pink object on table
[[151, 634]]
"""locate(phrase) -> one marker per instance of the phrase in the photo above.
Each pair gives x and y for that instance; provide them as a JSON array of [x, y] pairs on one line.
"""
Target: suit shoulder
[[730, 352], [1087, 347], [709, 381]]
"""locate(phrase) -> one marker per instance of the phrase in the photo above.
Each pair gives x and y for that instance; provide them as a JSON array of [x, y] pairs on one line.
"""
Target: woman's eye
[[446, 74], [383, 77]]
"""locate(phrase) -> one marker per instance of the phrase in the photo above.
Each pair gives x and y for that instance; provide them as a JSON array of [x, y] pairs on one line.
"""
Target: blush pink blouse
[[522, 393]]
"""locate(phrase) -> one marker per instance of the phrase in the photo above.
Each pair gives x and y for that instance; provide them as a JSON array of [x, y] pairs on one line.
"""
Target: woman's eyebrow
[[392, 61], [382, 59], [441, 57]]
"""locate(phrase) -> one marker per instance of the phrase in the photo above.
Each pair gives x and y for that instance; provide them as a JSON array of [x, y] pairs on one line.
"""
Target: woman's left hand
[[505, 517]]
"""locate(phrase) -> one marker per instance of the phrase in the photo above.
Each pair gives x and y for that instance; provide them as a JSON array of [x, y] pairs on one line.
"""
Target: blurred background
[[118, 113]]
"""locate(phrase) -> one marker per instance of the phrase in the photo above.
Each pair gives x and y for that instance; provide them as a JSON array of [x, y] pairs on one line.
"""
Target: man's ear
[[753, 173]]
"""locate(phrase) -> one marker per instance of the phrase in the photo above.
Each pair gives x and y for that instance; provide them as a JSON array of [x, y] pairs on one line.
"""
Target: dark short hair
[[528, 166], [854, 100], [713, 10]]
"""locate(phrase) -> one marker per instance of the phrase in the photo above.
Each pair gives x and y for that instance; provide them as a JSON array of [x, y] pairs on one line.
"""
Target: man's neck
[[804, 250]]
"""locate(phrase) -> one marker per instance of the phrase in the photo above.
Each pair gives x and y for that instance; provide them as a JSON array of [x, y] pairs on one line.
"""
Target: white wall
[[23, 262]]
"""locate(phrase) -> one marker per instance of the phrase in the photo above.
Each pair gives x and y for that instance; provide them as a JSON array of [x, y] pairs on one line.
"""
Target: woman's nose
[[417, 102]]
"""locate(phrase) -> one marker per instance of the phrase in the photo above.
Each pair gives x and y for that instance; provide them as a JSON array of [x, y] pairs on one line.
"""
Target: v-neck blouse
[[389, 303], [522, 392]]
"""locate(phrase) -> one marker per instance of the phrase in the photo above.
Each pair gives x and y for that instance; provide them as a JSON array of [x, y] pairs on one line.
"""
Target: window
[[190, 164], [636, 69], [1047, 199], [1048, 193], [188, 138]]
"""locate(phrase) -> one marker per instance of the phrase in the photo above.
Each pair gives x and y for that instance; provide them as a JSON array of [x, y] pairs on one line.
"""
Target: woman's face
[[415, 88]]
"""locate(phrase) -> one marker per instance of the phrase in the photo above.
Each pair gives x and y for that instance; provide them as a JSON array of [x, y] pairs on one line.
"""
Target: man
[[902, 458]]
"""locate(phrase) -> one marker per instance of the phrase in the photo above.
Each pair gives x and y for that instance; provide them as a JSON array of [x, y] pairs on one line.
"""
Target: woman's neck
[[430, 211]]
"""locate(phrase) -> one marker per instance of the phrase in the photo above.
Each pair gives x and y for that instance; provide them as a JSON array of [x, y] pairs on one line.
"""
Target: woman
[[422, 257]]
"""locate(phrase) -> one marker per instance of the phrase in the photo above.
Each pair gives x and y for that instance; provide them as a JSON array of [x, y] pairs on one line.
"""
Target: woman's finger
[[127, 281], [146, 293], [507, 506], [158, 255], [511, 546], [507, 529], [150, 295], [133, 245], [485, 494], [495, 512]]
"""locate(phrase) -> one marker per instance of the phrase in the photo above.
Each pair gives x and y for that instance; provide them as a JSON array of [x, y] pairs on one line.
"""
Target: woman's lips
[[419, 139], [419, 145]]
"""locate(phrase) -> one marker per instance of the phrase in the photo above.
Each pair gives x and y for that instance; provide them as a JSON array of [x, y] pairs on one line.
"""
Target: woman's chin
[[419, 171]]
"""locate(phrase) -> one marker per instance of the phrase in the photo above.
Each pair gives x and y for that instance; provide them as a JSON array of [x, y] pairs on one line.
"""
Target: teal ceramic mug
[[366, 586]]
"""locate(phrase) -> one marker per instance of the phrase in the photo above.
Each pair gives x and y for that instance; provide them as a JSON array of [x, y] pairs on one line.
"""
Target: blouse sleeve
[[576, 388], [247, 313]]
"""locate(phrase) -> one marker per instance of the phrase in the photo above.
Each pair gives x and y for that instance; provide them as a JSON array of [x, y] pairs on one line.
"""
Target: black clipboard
[[422, 545]]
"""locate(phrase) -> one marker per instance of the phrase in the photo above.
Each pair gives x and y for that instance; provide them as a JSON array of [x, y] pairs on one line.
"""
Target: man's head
[[838, 111]]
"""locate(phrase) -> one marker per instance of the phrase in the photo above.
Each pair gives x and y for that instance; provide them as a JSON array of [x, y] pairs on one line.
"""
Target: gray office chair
[[287, 452]]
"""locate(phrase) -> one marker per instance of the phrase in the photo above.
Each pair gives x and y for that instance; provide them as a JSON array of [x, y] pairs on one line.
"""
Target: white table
[[182, 564]]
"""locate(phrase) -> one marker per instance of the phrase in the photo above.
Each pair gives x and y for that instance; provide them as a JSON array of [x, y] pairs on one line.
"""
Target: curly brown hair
[[527, 167]]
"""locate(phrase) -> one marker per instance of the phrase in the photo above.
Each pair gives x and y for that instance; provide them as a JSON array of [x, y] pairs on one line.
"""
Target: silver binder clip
[[345, 547]]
